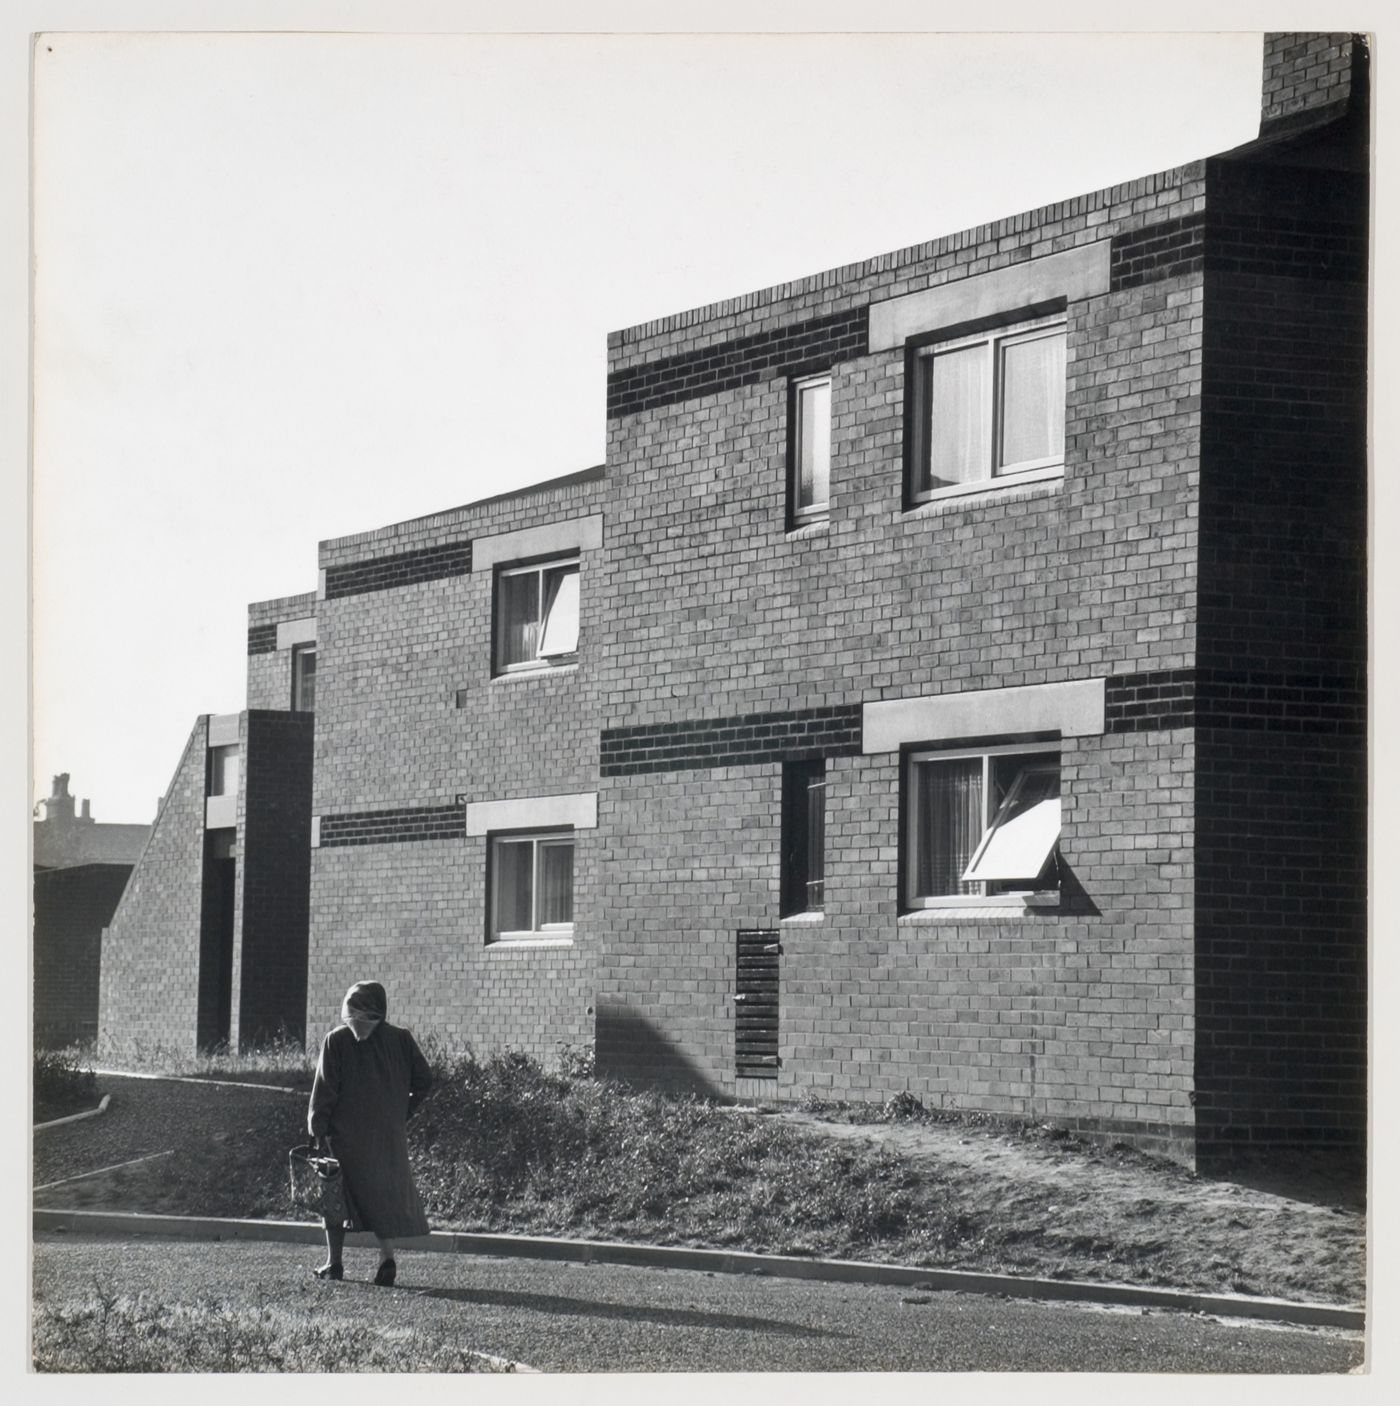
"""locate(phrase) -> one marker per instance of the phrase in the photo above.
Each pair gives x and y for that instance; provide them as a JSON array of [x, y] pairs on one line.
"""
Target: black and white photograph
[[702, 695]]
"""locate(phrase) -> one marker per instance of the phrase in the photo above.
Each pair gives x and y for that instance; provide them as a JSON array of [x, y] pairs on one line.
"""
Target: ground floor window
[[981, 823], [804, 837], [532, 884]]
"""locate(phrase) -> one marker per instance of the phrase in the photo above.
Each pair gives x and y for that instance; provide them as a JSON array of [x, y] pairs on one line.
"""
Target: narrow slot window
[[811, 449]]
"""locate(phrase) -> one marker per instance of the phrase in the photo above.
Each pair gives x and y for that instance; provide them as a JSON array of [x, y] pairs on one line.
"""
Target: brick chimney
[[1312, 78], [59, 806]]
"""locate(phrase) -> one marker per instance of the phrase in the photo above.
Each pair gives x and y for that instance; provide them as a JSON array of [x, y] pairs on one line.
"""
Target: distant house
[[80, 869], [953, 683]]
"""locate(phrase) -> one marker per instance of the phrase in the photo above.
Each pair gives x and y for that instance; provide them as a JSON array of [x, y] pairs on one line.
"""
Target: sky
[[293, 286]]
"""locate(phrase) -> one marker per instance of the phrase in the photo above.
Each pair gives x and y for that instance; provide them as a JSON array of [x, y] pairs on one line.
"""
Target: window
[[980, 824], [537, 610], [809, 449], [988, 409], [804, 837], [223, 770], [303, 678], [532, 884]]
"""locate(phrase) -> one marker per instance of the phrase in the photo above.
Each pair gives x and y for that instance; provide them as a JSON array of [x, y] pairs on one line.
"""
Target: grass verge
[[284, 1061], [105, 1331]]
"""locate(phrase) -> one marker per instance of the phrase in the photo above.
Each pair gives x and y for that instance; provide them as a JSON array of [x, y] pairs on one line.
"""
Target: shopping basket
[[317, 1185]]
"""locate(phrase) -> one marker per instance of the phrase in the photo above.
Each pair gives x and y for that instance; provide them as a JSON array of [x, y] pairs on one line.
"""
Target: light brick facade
[[1178, 609]]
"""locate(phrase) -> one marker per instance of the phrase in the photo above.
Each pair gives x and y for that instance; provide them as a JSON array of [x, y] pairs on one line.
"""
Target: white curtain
[[512, 885], [1033, 400], [959, 417], [556, 895], [517, 622], [949, 820]]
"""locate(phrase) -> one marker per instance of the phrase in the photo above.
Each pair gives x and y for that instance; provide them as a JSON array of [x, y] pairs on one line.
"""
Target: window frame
[[921, 354], [539, 567], [909, 812], [800, 514], [218, 757], [551, 836], [299, 653], [802, 870]]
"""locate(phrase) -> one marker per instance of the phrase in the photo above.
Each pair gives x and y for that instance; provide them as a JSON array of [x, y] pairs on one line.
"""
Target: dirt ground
[[1290, 1228]]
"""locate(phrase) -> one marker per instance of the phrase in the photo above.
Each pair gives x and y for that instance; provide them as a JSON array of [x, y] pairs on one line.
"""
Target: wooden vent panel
[[756, 1003]]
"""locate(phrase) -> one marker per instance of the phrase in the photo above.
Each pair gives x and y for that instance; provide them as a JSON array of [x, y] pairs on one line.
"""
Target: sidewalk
[[723, 1262]]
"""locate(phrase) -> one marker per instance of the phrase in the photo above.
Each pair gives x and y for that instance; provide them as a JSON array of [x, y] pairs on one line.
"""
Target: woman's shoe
[[385, 1274], [329, 1271]]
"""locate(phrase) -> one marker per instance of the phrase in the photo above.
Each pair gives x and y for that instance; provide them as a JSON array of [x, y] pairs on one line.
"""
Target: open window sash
[[1023, 833], [559, 630]]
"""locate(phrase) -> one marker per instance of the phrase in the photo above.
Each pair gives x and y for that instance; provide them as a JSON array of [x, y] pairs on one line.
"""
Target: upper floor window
[[537, 615], [809, 449], [988, 409], [532, 884], [223, 770], [981, 823], [303, 678]]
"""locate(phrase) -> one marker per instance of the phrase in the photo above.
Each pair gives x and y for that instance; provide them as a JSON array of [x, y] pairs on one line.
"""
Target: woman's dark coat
[[361, 1100]]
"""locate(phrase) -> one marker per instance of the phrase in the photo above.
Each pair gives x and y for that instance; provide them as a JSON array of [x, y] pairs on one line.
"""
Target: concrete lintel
[[1072, 709], [531, 812], [568, 535], [223, 729], [291, 632], [220, 812], [1072, 275]]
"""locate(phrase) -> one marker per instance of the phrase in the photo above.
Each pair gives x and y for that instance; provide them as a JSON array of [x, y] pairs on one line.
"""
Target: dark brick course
[[1234, 698], [384, 827], [1164, 250], [402, 569], [804, 347], [262, 639], [749, 740]]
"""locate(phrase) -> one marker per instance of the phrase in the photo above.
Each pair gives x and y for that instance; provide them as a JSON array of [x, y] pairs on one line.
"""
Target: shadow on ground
[[630, 1313]]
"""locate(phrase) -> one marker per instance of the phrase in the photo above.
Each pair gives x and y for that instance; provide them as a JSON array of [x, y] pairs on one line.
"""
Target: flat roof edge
[[529, 490], [909, 254]]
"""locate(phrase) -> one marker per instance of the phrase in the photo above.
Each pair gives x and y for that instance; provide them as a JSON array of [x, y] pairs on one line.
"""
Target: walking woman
[[370, 1078]]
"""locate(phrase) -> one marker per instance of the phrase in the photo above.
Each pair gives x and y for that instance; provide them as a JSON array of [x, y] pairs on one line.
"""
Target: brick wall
[[718, 615], [1307, 72], [410, 727], [71, 907], [1281, 770], [150, 952], [270, 668], [272, 915]]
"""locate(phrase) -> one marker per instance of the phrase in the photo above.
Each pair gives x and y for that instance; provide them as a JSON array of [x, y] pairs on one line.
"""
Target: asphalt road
[[613, 1318]]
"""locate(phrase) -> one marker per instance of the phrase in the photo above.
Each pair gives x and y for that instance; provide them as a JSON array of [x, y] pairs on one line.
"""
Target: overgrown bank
[[503, 1145]]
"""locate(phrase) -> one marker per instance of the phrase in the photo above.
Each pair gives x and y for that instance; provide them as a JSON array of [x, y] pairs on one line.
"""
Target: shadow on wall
[[1073, 896], [629, 1047]]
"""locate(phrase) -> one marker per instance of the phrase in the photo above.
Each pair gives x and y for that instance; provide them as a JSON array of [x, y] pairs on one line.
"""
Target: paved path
[[610, 1318]]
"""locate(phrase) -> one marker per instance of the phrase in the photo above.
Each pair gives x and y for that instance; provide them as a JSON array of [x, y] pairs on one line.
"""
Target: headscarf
[[365, 1005]]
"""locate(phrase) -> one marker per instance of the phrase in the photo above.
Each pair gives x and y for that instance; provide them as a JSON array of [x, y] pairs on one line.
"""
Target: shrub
[[902, 1107], [63, 1083]]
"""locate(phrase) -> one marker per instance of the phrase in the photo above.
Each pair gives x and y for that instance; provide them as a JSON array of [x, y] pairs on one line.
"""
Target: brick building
[[81, 866], [953, 683], [208, 943]]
